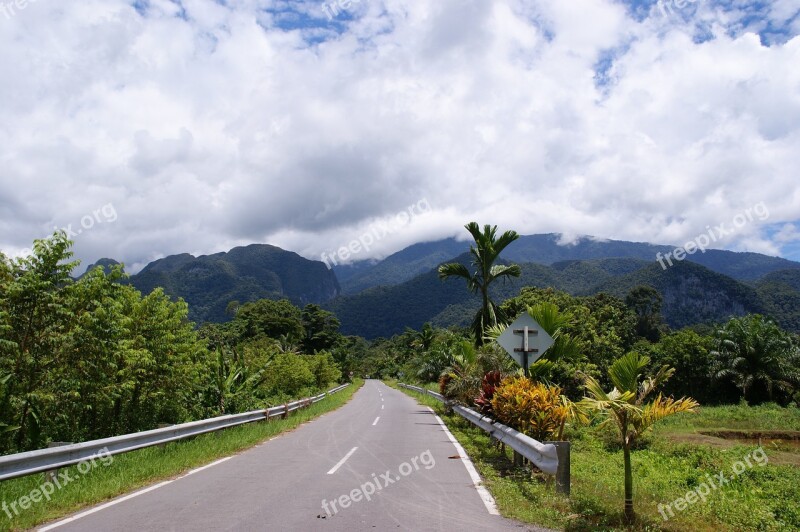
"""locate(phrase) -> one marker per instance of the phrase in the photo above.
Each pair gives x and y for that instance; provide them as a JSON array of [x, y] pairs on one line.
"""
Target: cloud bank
[[208, 126]]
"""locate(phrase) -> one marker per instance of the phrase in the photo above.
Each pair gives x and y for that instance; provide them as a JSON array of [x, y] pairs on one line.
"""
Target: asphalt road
[[381, 462]]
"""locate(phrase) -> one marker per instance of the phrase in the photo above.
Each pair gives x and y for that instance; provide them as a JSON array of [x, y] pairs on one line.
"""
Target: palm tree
[[424, 338], [626, 408], [485, 253], [753, 350]]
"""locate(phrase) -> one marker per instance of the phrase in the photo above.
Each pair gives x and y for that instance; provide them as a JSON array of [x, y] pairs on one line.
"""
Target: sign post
[[535, 341]]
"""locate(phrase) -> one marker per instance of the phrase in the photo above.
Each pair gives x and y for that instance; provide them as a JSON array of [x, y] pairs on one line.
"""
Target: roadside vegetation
[[627, 392], [138, 469], [667, 466], [93, 357]]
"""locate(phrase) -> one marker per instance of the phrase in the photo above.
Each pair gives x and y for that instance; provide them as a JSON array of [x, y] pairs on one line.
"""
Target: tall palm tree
[[485, 253], [626, 408], [752, 351]]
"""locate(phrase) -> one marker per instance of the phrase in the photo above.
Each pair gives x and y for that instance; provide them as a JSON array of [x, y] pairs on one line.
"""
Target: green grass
[[761, 498], [737, 417], [138, 469]]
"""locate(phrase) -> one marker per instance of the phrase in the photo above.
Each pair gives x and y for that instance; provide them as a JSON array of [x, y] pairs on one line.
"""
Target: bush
[[532, 408], [488, 387]]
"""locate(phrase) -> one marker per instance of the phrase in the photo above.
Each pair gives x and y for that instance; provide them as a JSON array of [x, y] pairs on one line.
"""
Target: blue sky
[[206, 124]]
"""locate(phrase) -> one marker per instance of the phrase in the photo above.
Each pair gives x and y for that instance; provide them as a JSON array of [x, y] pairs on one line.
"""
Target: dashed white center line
[[382, 406], [342, 461], [376, 421]]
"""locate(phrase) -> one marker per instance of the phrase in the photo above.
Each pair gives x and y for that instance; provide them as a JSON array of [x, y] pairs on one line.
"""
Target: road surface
[[380, 462]]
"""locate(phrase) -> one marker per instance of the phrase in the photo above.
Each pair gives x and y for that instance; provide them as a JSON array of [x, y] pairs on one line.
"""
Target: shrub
[[444, 381], [488, 386], [532, 408]]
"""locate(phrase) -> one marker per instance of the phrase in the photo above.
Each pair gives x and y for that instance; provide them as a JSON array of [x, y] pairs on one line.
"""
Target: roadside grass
[[759, 498], [131, 471]]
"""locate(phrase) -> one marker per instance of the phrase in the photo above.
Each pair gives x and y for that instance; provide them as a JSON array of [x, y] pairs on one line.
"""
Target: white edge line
[[128, 497], [484, 494], [376, 421], [342, 461]]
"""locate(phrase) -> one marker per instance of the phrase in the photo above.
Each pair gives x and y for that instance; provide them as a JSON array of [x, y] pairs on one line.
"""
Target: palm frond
[[626, 370]]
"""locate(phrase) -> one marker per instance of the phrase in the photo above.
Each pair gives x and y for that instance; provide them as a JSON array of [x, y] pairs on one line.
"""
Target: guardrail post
[[53, 473], [563, 473], [518, 459]]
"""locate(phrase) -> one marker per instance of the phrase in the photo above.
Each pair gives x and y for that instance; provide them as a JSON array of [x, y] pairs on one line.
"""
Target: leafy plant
[[490, 383], [532, 408], [626, 408]]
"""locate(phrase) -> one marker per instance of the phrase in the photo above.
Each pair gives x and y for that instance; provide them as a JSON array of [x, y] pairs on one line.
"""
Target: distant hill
[[398, 267], [106, 264], [546, 249], [383, 297], [692, 294], [209, 282], [781, 294]]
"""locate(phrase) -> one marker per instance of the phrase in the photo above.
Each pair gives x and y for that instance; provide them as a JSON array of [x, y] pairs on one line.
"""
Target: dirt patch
[[780, 451], [767, 435]]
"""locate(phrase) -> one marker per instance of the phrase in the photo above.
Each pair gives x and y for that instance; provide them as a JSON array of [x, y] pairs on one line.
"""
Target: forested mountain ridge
[[692, 293], [547, 249], [210, 282], [404, 290]]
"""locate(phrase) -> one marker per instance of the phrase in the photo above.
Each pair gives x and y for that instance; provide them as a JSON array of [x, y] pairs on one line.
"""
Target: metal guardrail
[[551, 458], [22, 464]]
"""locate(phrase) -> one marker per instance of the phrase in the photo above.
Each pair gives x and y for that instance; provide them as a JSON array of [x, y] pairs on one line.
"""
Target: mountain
[[106, 264], [781, 293], [692, 294], [209, 282], [549, 249], [399, 267]]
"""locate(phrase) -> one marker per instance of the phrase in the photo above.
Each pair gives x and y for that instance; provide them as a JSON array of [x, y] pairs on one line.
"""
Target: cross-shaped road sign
[[525, 341]]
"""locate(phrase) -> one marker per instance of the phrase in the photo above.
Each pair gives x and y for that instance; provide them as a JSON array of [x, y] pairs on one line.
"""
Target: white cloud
[[209, 126]]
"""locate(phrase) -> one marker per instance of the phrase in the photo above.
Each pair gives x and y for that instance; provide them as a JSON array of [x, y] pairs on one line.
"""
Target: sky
[[150, 128]]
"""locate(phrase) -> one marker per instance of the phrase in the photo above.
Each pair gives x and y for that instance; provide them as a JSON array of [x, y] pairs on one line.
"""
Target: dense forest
[[94, 357]]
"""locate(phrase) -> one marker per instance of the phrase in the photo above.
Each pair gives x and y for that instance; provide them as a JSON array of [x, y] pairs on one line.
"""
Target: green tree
[[756, 355], [34, 313], [690, 354], [627, 408], [646, 302], [485, 253], [266, 317], [321, 329]]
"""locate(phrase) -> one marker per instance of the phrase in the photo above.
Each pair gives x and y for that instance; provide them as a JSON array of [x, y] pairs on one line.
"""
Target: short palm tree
[[626, 408], [753, 351], [485, 253]]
